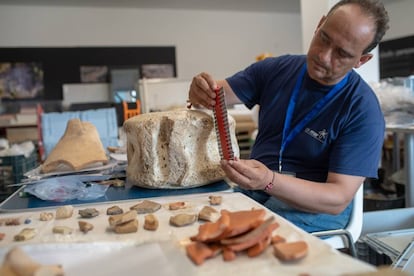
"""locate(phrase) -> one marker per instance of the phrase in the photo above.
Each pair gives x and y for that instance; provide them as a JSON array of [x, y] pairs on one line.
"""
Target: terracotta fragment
[[243, 221], [253, 237], [228, 254], [232, 233], [212, 231], [217, 248], [259, 247], [198, 252], [258, 231], [290, 251], [278, 239]]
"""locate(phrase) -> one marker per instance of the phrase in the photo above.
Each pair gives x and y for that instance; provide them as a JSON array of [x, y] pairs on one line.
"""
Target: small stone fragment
[[11, 221], [146, 206], [114, 210], [88, 213], [64, 230], [45, 216], [183, 219], [64, 212], [208, 213], [177, 205], [215, 200], [122, 218], [25, 234], [127, 227], [151, 222], [85, 226]]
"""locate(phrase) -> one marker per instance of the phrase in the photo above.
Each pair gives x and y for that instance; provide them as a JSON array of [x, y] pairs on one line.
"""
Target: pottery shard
[[151, 222], [25, 234], [183, 219], [215, 200], [78, 148], [146, 206], [208, 213], [60, 229], [64, 212], [115, 220], [199, 252], [46, 216], [127, 227], [290, 251], [85, 226], [88, 213], [114, 210], [174, 149]]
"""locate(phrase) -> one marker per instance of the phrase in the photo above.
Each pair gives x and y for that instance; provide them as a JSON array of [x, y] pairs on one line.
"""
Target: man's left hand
[[248, 174]]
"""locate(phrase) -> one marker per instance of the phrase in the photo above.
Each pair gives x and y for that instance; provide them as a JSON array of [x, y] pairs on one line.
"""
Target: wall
[[213, 41], [401, 17]]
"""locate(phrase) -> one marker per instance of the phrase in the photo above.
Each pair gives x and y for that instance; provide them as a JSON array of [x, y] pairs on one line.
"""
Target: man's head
[[344, 38]]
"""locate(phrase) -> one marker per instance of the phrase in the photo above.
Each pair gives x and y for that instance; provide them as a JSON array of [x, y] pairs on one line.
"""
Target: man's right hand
[[201, 92]]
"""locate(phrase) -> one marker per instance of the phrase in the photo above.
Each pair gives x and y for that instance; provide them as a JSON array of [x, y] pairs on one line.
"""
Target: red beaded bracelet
[[270, 185]]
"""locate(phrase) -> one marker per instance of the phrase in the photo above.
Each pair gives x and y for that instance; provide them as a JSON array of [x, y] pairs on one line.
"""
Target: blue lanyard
[[288, 133]]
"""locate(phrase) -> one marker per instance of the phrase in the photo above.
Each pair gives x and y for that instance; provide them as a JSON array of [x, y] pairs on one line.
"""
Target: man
[[321, 128]]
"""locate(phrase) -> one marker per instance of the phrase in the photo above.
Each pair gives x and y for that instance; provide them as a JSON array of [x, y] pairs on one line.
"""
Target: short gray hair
[[374, 9]]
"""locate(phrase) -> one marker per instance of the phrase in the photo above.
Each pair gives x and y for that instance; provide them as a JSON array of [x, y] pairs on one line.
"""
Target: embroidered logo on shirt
[[318, 135]]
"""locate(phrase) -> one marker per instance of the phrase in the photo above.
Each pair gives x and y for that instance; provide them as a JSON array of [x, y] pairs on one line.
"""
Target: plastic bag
[[66, 188]]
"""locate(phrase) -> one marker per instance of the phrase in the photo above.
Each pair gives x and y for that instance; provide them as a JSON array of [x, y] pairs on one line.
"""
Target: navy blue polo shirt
[[345, 137]]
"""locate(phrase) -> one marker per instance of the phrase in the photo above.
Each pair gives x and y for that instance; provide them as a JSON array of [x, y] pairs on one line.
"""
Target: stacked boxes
[[12, 170]]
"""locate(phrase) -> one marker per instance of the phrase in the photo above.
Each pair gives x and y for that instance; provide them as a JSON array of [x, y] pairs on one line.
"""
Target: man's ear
[[364, 59]]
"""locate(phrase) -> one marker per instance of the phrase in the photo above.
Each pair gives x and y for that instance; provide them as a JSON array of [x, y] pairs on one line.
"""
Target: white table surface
[[102, 252]]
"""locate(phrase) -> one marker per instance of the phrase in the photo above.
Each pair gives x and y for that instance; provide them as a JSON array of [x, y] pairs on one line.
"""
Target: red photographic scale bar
[[222, 126]]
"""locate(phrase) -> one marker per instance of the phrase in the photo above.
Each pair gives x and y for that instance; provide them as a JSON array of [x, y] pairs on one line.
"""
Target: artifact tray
[[162, 252]]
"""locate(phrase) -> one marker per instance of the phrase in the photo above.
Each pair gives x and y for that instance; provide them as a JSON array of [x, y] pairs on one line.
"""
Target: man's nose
[[325, 55]]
